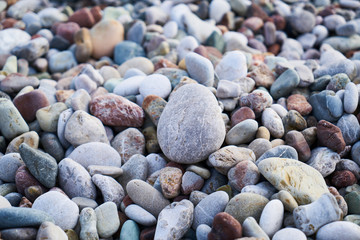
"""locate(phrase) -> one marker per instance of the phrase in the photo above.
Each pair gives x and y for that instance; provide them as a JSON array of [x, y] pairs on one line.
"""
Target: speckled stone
[[128, 143], [330, 136], [242, 174], [135, 168], [191, 127], [257, 100], [111, 190], [170, 181], [9, 164]]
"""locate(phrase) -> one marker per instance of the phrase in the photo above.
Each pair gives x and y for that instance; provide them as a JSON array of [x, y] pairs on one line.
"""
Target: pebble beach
[[180, 119]]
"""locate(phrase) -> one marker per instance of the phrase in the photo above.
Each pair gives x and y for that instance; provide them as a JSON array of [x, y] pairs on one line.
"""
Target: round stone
[[155, 84], [200, 69], [271, 218], [242, 174], [183, 120], [225, 227], [140, 215]]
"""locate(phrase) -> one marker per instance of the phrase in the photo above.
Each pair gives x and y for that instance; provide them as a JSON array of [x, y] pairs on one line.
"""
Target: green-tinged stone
[[353, 218], [15, 217], [7, 188], [344, 44], [320, 83], [353, 201], [227, 189], [41, 165], [216, 40], [284, 84], [111, 84], [130, 231], [10, 65]]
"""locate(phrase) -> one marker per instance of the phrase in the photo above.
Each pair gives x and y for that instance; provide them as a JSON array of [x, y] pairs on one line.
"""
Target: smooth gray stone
[[9, 163], [284, 84], [135, 168], [111, 190], [350, 128], [84, 202], [14, 198], [52, 146], [326, 105], [282, 151], [16, 217], [19, 233], [88, 224]]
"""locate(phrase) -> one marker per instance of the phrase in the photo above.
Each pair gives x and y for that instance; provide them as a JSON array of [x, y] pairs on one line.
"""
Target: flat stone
[[111, 190], [14, 82], [107, 219], [74, 180], [18, 217], [286, 174], [193, 118], [284, 84], [110, 171], [140, 192], [95, 153], [338, 229], [64, 211], [41, 165], [140, 215]]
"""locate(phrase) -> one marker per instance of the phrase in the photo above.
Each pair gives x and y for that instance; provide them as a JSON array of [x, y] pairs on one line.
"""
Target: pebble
[[243, 132], [141, 63], [302, 21], [213, 132], [51, 231], [202, 232], [190, 182], [226, 68], [174, 220], [128, 143], [19, 233], [242, 174], [241, 114], [24, 179], [107, 219], [48, 117], [83, 128], [200, 69], [206, 209], [134, 168], [257, 100], [338, 229], [252, 229], [225, 227], [95, 153], [11, 38], [350, 128], [9, 164], [140, 192], [140, 215], [87, 222], [155, 84], [225, 158], [4, 203], [41, 165], [312, 183], [111, 190], [330, 136], [292, 233], [32, 50], [126, 50], [64, 211], [61, 61], [297, 140], [284, 84], [245, 205], [272, 122], [326, 106], [115, 110], [74, 180], [271, 218], [11, 122], [299, 103], [19, 217], [287, 200], [110, 171], [309, 218]]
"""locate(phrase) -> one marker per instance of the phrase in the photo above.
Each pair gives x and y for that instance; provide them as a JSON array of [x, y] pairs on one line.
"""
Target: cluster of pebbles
[[180, 119]]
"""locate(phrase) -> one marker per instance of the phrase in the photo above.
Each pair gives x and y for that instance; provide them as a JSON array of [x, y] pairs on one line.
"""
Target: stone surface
[[225, 227], [272, 122], [190, 127], [83, 128], [140, 192], [286, 174], [135, 168], [232, 66], [170, 181], [41, 165], [330, 136], [350, 128], [74, 180], [200, 69], [111, 190], [338, 229], [9, 164], [272, 216], [107, 219], [244, 205], [242, 174], [26, 233], [64, 211], [170, 224], [324, 160], [128, 143], [49, 230], [292, 233], [207, 208], [117, 111], [87, 222], [140, 215], [17, 217], [243, 132], [95, 153]]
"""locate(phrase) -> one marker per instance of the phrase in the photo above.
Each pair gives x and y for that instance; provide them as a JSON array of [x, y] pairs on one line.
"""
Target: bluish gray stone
[[347, 29], [136, 32], [41, 165], [62, 61], [14, 198], [126, 50], [326, 105], [140, 215], [215, 181], [15, 217], [351, 97], [52, 146], [32, 50], [135, 168], [355, 152], [173, 74], [200, 69], [282, 151], [111, 190], [350, 128], [9, 163], [12, 123], [284, 84], [130, 231]]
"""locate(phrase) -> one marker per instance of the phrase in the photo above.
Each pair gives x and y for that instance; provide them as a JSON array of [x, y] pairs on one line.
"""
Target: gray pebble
[[111, 190]]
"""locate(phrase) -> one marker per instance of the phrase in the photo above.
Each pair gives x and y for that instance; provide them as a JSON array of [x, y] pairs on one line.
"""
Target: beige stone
[[141, 63], [104, 37], [303, 182]]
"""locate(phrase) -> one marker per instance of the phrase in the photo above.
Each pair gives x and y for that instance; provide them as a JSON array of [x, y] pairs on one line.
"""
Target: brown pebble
[[127, 201], [344, 178], [225, 227], [83, 17], [148, 233], [242, 114], [164, 63], [24, 179], [297, 141], [30, 102], [299, 103], [25, 203], [330, 136]]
